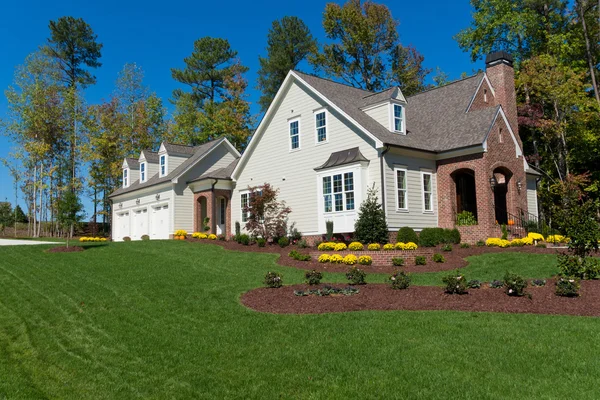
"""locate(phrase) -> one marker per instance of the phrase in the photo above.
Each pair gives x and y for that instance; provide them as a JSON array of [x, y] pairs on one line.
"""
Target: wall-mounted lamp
[[120, 205], [493, 182], [157, 197], [519, 186], [137, 201]]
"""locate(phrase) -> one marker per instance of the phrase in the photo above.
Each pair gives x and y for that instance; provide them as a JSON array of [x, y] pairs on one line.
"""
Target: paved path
[[17, 242]]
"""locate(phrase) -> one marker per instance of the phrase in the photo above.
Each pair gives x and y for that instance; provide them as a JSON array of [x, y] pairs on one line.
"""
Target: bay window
[[338, 192]]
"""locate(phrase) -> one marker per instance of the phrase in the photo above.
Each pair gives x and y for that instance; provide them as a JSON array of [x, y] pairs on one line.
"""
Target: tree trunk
[[588, 50]]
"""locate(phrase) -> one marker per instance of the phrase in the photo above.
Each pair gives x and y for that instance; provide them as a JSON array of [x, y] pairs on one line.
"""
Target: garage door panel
[[160, 222]]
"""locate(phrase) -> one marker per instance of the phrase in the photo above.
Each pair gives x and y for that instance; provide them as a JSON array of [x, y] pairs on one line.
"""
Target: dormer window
[[163, 165], [143, 172], [125, 177], [398, 118]]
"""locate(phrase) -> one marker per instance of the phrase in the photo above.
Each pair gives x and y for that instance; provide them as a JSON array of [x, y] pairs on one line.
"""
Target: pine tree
[[371, 225]]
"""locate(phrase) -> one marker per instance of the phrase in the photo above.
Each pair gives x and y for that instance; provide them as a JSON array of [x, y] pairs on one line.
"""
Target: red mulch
[[65, 249], [454, 259], [382, 297]]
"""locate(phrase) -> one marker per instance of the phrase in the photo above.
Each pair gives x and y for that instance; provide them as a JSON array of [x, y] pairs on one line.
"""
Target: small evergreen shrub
[[356, 276], [329, 228], [313, 277], [465, 246], [407, 234], [145, 237], [465, 218], [451, 236], [455, 283], [514, 285], [398, 261], [438, 258], [238, 229], [504, 232], [299, 256], [303, 244], [371, 224], [447, 247], [244, 239], [474, 284], [283, 242], [420, 260], [496, 284], [480, 243], [261, 242], [538, 282], [431, 237], [273, 280], [399, 280], [568, 286]]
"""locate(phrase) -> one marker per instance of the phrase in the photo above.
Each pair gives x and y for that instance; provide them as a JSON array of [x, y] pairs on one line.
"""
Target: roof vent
[[497, 58]]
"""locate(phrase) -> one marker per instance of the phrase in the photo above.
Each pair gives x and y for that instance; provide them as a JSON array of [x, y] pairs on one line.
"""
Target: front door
[[221, 215], [500, 200]]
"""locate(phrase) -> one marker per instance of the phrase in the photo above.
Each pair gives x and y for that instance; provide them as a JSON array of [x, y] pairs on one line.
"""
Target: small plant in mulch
[[399, 280], [474, 284], [438, 258], [243, 239], [273, 280], [538, 282], [567, 286], [356, 276], [447, 247], [420, 260], [313, 277], [296, 255], [496, 284], [283, 242], [514, 285], [465, 246], [480, 243], [303, 244], [398, 261], [327, 291], [261, 242], [455, 283]]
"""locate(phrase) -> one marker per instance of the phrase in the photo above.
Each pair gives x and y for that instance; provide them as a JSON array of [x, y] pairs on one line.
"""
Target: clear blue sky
[[157, 35]]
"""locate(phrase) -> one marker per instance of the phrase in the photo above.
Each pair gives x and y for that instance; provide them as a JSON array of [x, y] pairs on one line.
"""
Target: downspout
[[381, 156], [213, 226]]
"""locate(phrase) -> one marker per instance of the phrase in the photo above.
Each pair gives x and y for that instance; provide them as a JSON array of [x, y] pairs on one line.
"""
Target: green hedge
[[431, 237], [406, 235]]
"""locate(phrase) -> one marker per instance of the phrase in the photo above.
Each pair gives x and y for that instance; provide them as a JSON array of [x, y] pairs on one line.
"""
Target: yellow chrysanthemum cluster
[[339, 247], [350, 259], [557, 239], [92, 239], [212, 236], [535, 236], [365, 260], [497, 242], [324, 258], [388, 247], [180, 232], [199, 235], [356, 246], [374, 247], [325, 246], [406, 246]]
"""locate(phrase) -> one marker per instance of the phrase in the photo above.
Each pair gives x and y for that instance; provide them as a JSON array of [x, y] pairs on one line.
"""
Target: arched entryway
[[466, 196], [500, 181]]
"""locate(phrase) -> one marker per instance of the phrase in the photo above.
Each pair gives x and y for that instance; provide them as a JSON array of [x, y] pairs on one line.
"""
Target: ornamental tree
[[371, 225], [267, 217]]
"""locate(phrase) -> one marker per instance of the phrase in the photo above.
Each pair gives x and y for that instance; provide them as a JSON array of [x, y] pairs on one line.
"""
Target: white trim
[[376, 105], [392, 114], [241, 193], [405, 170], [223, 141], [162, 174], [143, 172], [484, 78], [126, 177], [430, 173], [518, 150], [290, 122], [315, 113]]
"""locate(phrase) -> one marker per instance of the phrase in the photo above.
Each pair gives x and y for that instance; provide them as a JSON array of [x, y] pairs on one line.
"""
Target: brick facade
[[211, 197]]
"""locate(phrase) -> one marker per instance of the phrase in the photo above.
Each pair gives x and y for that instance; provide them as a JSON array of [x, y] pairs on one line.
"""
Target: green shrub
[[145, 237], [399, 280], [465, 246], [567, 286], [538, 282], [283, 242], [496, 284], [329, 227], [504, 232], [455, 283], [438, 258], [582, 268], [420, 260], [127, 239], [514, 285], [356, 276], [273, 280], [303, 244], [480, 243], [313, 277], [431, 237], [244, 239], [299, 256], [451, 236], [371, 224], [398, 261], [261, 242], [474, 284], [407, 234], [447, 247], [222, 238], [591, 269], [465, 218], [238, 229]]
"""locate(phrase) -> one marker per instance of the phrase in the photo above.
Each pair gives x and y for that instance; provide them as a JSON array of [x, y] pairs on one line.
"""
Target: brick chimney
[[499, 69]]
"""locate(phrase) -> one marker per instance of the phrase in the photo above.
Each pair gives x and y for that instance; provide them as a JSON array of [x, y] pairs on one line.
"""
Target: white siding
[[134, 175], [415, 217], [532, 201], [152, 169], [174, 162], [293, 172], [381, 114]]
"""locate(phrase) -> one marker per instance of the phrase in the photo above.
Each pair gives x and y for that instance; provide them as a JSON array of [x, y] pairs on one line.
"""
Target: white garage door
[[122, 226], [160, 222], [140, 224]]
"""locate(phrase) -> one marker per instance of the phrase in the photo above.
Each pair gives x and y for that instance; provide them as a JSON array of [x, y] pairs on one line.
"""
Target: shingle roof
[[221, 173], [342, 158], [133, 163], [374, 98], [151, 156], [199, 152], [436, 119], [179, 149]]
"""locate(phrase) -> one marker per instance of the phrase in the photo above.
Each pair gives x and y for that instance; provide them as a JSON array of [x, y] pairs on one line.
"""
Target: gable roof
[[436, 120], [221, 173], [150, 156], [199, 152], [172, 148], [132, 163]]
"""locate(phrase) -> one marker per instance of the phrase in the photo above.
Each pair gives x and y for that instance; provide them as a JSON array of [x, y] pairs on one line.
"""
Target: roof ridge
[[446, 84], [332, 81], [381, 91]]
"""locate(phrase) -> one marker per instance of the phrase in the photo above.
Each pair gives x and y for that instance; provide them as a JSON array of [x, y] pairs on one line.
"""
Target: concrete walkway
[[17, 242]]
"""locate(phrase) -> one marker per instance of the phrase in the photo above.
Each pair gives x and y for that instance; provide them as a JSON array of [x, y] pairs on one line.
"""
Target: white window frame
[[405, 170], [315, 113], [423, 173], [393, 118], [290, 122], [222, 210], [143, 172], [343, 192], [160, 167], [126, 177], [244, 216]]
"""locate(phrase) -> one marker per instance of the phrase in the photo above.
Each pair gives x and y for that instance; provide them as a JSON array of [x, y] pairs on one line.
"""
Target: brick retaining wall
[[382, 258]]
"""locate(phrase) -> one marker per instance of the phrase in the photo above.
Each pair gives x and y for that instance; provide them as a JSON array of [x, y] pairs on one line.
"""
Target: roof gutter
[[381, 156]]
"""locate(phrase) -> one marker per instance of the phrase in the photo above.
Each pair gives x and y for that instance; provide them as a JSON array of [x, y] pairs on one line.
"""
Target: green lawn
[[163, 320]]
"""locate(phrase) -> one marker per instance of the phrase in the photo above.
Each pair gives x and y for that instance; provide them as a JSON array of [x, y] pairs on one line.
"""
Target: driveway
[[17, 242]]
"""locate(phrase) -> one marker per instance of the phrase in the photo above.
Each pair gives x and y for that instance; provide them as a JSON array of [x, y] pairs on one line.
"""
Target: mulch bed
[[65, 249], [454, 259], [419, 298]]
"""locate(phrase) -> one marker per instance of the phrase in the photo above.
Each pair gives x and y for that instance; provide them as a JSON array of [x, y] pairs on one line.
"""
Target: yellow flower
[[410, 246], [528, 241], [336, 258], [374, 247], [339, 247], [388, 246], [180, 232], [535, 236], [212, 236], [326, 246], [400, 246], [324, 258], [493, 242], [365, 260], [356, 246], [82, 239], [350, 259]]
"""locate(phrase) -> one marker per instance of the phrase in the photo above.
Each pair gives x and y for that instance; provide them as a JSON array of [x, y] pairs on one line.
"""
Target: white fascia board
[[229, 146], [141, 192]]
